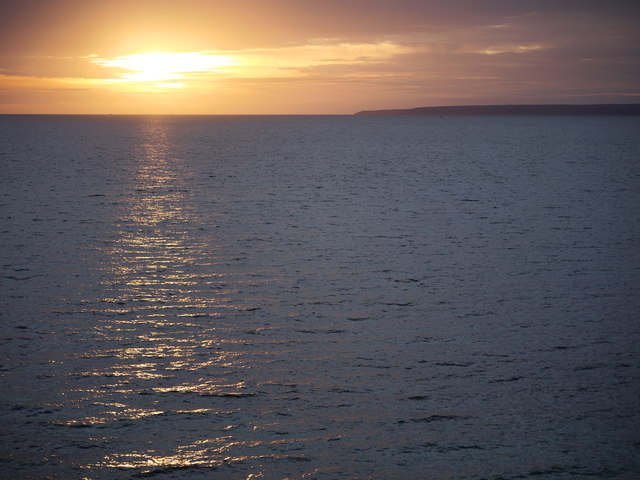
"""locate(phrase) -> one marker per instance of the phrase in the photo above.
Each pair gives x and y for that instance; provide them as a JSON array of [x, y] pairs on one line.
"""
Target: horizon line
[[371, 111]]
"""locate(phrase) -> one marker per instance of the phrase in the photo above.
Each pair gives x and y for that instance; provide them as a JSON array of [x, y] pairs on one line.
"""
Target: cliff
[[600, 109]]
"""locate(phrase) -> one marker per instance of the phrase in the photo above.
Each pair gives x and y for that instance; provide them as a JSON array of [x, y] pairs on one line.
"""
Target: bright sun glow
[[163, 67]]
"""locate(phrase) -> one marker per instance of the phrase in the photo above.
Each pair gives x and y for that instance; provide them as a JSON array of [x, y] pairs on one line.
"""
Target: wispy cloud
[[163, 66], [282, 62], [497, 50]]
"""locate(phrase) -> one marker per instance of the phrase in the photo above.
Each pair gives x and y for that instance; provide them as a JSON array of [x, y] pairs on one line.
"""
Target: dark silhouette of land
[[600, 109]]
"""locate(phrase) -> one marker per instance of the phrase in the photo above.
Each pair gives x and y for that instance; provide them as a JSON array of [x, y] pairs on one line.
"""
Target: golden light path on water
[[164, 291]]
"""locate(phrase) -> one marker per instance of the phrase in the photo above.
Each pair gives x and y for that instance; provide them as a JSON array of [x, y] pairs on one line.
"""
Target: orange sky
[[316, 57]]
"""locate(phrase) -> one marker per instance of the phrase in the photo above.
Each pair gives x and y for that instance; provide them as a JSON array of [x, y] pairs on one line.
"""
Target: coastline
[[552, 109]]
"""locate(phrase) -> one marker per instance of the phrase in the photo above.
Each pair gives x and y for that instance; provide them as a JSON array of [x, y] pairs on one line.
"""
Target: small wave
[[432, 418]]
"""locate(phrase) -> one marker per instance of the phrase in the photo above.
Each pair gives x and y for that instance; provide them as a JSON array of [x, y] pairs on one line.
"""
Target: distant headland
[[597, 109]]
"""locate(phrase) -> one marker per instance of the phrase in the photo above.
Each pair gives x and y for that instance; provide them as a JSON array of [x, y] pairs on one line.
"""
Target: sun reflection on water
[[159, 263], [162, 360]]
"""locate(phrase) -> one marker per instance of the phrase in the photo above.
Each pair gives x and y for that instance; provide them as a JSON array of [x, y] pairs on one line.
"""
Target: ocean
[[319, 297]]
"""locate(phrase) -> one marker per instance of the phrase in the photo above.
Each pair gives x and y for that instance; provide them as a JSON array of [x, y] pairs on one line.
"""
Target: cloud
[[497, 50], [283, 62]]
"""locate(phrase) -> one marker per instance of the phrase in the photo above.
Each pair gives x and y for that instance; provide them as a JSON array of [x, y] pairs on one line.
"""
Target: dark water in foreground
[[320, 297]]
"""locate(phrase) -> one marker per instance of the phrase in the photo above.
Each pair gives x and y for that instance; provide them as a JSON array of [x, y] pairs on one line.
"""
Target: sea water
[[202, 297]]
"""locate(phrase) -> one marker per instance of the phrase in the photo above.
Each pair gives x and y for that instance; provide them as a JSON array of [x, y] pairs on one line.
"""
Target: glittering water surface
[[320, 297]]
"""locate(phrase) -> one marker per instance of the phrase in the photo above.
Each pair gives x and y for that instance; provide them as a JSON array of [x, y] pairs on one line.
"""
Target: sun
[[162, 67]]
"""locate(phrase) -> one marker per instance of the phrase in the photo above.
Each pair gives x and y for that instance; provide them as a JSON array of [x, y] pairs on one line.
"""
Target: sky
[[313, 56]]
